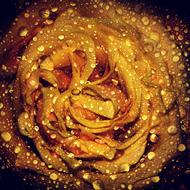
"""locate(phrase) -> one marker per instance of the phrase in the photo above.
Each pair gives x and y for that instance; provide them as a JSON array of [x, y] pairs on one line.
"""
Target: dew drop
[[41, 48], [144, 117], [53, 176], [153, 138], [2, 113], [61, 37], [23, 32], [129, 187], [155, 36], [44, 13], [125, 167], [34, 38], [1, 105], [123, 186], [180, 37], [156, 179], [119, 11], [147, 96], [113, 176], [35, 162], [151, 155], [97, 185], [133, 19], [6, 136], [107, 7], [54, 9], [93, 65], [26, 15], [186, 99], [53, 136], [145, 20], [181, 147], [48, 22], [175, 58], [86, 176], [172, 130], [17, 149]]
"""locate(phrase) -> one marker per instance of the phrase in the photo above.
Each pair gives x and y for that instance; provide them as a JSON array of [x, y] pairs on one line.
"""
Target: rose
[[61, 113]]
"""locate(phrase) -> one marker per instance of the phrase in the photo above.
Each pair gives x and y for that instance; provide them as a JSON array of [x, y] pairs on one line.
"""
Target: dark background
[[9, 9]]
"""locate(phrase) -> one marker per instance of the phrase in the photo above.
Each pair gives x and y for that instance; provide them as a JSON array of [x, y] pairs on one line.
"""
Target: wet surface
[[174, 176]]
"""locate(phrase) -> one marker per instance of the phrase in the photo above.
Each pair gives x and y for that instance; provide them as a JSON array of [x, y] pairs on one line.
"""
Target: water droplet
[[4, 67], [93, 65], [176, 28], [113, 177], [82, 81], [23, 32], [186, 99], [89, 26], [181, 147], [163, 69], [130, 187], [180, 37], [123, 186], [35, 162], [54, 9], [86, 176], [6, 136], [53, 136], [186, 30], [147, 96], [44, 13], [34, 38], [17, 149], [144, 117], [78, 182], [175, 58], [153, 138], [2, 113], [124, 167], [163, 52], [100, 108], [163, 92], [61, 37], [155, 36], [142, 165], [26, 15], [115, 82], [172, 130], [133, 19], [90, 50], [41, 48], [1, 105], [53, 176], [73, 4], [36, 128], [157, 54], [48, 22], [151, 155], [98, 185], [149, 47], [101, 11], [156, 179], [107, 7], [119, 11], [145, 20]]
